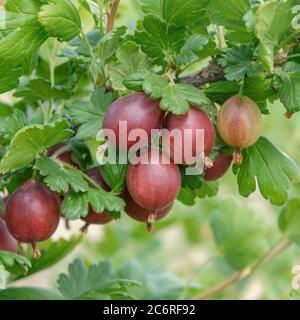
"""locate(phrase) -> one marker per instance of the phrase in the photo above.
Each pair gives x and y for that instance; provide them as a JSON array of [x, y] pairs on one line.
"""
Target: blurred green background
[[181, 258]]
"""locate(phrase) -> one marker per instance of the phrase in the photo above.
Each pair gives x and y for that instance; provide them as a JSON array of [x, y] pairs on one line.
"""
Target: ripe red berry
[[65, 156], [139, 112], [221, 165], [93, 217], [32, 214], [153, 184], [138, 213], [239, 124], [194, 119], [7, 241]]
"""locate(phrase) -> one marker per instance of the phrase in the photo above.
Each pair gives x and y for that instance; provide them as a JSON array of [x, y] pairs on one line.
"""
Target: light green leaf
[[176, 98], [89, 115], [228, 13], [130, 59], [96, 282], [183, 12], [25, 34], [40, 89], [240, 234], [31, 141], [101, 201], [75, 205], [289, 220], [14, 263], [191, 50], [270, 169], [239, 62], [60, 19], [58, 178], [287, 82], [273, 27], [115, 176], [159, 40]]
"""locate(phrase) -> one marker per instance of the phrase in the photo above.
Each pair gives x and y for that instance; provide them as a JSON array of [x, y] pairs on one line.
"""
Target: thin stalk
[[112, 15], [220, 37], [247, 271]]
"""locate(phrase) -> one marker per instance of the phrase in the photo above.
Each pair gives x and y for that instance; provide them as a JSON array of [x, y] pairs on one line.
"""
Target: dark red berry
[[239, 124], [93, 217], [7, 241], [139, 112], [32, 213], [194, 119], [220, 167], [138, 213], [153, 184]]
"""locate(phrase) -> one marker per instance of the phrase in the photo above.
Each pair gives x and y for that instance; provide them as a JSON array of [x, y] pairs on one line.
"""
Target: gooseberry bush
[[73, 69]]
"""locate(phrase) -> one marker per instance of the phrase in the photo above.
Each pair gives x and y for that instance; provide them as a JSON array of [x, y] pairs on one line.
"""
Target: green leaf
[[89, 115], [240, 234], [160, 41], [115, 176], [259, 89], [75, 205], [273, 27], [228, 13], [104, 50], [294, 295], [287, 82], [130, 59], [183, 12], [27, 293], [60, 19], [12, 124], [101, 201], [14, 263], [53, 252], [58, 178], [191, 50], [31, 141], [221, 91], [179, 12], [270, 169], [24, 35], [178, 97], [40, 89], [208, 189], [95, 282], [239, 62], [289, 220], [9, 77]]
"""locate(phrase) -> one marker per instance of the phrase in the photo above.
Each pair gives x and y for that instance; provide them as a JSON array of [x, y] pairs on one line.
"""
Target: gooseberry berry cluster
[[32, 212]]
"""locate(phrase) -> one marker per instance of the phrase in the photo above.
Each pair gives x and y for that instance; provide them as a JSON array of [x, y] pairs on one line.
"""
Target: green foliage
[[31, 141], [75, 205], [95, 282], [60, 19], [59, 178], [289, 220], [89, 114], [266, 166], [287, 82], [241, 235], [14, 263]]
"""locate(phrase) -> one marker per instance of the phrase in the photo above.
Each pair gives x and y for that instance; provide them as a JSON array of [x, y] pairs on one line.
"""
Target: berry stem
[[238, 157], [112, 15], [37, 253], [247, 271]]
